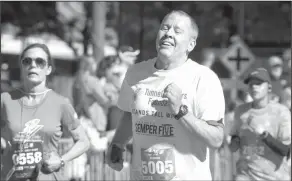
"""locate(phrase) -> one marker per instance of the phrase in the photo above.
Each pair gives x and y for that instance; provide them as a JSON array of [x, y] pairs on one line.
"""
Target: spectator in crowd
[[209, 58], [128, 57], [33, 118], [92, 98], [287, 77], [5, 78], [229, 116], [94, 92], [262, 133], [109, 73], [86, 111], [275, 68], [287, 66]]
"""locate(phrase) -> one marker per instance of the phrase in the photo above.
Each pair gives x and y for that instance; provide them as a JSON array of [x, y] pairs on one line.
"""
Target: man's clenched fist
[[174, 95]]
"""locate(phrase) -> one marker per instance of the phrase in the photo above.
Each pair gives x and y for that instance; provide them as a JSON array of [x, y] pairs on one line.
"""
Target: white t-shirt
[[163, 148]]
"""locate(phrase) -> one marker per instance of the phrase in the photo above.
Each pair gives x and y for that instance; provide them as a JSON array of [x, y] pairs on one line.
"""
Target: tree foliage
[[216, 21], [31, 17]]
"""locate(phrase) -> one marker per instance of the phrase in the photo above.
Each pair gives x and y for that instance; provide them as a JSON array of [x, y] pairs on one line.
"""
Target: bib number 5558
[[157, 167], [27, 158]]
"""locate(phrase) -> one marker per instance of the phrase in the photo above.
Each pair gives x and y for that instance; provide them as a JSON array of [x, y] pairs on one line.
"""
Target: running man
[[173, 109]]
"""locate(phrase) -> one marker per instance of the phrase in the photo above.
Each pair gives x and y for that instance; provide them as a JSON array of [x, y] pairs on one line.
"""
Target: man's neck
[[166, 63], [262, 103]]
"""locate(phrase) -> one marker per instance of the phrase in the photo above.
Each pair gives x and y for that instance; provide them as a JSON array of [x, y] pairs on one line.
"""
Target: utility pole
[[142, 6], [98, 29], [120, 23], [241, 20]]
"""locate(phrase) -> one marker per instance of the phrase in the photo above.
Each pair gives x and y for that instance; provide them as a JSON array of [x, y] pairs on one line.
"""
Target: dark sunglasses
[[40, 62]]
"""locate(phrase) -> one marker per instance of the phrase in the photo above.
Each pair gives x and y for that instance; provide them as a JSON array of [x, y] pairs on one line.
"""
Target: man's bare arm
[[210, 131], [124, 132]]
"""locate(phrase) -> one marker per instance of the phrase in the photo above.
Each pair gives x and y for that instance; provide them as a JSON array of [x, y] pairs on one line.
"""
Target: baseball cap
[[260, 74]]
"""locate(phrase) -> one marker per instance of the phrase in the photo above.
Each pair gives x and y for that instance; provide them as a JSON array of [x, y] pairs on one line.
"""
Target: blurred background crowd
[[94, 43]]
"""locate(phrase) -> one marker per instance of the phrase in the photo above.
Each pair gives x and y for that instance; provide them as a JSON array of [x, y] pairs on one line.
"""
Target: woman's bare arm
[[81, 144]]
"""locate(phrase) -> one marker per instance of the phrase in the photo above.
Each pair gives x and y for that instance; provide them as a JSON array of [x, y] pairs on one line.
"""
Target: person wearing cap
[[173, 109], [262, 133]]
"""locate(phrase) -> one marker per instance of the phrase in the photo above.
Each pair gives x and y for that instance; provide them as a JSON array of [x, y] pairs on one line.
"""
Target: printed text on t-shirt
[[163, 130]]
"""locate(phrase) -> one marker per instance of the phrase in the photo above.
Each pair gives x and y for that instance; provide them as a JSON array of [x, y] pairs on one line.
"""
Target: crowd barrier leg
[[92, 166]]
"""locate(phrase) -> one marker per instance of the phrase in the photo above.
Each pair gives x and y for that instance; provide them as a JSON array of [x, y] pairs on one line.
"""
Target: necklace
[[36, 93]]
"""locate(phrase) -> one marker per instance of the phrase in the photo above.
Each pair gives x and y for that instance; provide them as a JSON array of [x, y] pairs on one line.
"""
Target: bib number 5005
[[27, 158], [157, 167]]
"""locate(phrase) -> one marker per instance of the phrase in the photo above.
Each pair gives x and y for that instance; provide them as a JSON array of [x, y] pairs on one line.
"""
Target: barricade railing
[[92, 165]]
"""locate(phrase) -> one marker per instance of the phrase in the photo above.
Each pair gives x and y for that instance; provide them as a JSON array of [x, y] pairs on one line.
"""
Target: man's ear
[[192, 45]]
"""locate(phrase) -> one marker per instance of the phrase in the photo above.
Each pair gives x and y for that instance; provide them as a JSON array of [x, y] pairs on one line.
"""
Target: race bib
[[25, 157], [157, 164], [253, 151]]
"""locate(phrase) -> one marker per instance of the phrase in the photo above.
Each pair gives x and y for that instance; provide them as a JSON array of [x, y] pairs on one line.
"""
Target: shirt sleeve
[[209, 101], [126, 95], [284, 133], [69, 116]]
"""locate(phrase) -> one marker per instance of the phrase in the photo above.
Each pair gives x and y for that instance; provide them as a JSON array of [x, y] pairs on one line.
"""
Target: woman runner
[[33, 118]]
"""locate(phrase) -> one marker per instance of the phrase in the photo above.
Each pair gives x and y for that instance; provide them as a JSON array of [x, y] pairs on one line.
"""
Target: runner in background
[[262, 133], [33, 118]]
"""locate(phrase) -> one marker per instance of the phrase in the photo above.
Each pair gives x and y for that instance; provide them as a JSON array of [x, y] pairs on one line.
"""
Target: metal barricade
[[92, 166]]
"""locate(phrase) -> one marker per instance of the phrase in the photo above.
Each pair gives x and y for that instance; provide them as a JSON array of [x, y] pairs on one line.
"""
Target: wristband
[[183, 110]]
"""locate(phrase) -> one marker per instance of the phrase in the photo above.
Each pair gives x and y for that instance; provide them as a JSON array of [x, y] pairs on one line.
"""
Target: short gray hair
[[192, 20]]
